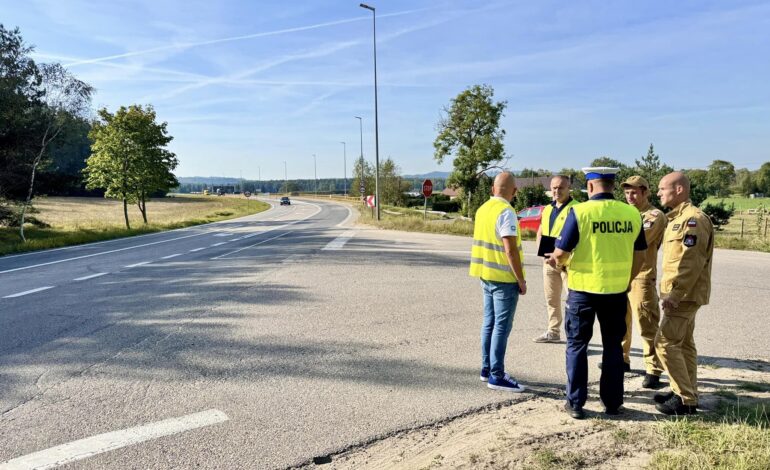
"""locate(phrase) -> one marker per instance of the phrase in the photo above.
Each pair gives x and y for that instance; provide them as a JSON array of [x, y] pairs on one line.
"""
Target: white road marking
[[340, 241], [85, 278], [137, 264], [94, 445], [172, 256], [31, 291], [218, 244], [350, 216], [233, 240], [318, 209], [223, 234], [197, 249]]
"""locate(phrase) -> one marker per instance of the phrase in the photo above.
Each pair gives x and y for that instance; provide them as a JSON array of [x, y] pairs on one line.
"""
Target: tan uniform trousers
[[643, 308], [554, 282], [676, 348]]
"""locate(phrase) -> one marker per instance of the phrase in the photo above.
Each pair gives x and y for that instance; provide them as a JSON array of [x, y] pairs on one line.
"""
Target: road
[[265, 341]]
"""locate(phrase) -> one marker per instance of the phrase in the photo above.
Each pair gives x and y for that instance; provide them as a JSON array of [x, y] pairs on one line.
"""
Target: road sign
[[427, 188], [370, 201], [247, 193]]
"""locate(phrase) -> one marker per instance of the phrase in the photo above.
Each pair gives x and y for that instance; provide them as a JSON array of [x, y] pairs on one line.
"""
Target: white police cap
[[600, 172]]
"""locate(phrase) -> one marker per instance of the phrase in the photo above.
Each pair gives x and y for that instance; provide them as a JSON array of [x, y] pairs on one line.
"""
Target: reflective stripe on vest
[[601, 262], [488, 259], [558, 224]]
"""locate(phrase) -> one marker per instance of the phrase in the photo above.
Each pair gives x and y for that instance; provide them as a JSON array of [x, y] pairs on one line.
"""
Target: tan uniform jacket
[[688, 248], [653, 224]]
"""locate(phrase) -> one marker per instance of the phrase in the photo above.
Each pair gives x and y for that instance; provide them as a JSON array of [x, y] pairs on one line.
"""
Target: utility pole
[[286, 176], [315, 173], [376, 121], [345, 168]]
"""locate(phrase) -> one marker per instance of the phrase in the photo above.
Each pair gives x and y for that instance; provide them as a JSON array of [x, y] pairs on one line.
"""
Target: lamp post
[[315, 174], [286, 176], [345, 168], [376, 123], [361, 130]]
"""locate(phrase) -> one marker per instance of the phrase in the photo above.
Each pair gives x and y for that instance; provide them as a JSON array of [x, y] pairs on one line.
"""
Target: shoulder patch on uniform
[[676, 227], [690, 240], [647, 224], [692, 223]]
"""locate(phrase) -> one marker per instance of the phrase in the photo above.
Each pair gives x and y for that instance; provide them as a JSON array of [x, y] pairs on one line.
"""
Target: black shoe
[[674, 406], [576, 413], [613, 411], [651, 382], [662, 397], [626, 366]]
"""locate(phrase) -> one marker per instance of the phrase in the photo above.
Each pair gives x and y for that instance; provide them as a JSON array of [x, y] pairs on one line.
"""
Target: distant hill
[[432, 174]]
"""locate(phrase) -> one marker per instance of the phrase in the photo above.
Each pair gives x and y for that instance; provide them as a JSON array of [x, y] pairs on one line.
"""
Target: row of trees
[[48, 139], [469, 131]]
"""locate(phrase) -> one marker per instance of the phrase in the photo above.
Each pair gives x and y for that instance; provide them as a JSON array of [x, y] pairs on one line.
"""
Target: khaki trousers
[[554, 282], [643, 308], [676, 348]]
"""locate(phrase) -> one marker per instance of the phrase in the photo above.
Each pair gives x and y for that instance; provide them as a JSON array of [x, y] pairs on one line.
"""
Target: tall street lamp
[[315, 173], [345, 167], [361, 129], [286, 176], [376, 124]]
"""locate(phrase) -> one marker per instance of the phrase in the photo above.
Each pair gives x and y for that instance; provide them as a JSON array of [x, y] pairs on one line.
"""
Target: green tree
[[129, 160], [530, 172], [745, 183], [719, 213], [652, 169], [762, 179], [699, 186], [720, 176], [470, 131], [392, 186], [624, 172], [362, 171], [530, 196]]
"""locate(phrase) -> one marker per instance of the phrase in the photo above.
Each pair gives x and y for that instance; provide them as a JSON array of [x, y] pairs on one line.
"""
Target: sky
[[248, 85]]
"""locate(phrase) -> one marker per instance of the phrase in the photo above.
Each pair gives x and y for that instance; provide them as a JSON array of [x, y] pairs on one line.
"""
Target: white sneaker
[[548, 337]]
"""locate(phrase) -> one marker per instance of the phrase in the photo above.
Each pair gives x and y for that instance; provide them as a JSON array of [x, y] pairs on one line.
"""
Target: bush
[[719, 213], [446, 206]]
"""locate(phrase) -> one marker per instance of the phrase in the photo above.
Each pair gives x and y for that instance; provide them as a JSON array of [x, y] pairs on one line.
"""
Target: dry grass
[[73, 221]]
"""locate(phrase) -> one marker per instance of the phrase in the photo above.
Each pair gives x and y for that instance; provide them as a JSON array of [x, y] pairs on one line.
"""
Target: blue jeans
[[500, 299], [581, 310]]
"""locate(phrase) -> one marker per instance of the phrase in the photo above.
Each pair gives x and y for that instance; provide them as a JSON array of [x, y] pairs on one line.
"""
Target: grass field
[[741, 203], [74, 221]]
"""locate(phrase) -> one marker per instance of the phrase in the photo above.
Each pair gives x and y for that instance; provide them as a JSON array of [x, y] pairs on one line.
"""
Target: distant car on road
[[285, 201], [529, 218]]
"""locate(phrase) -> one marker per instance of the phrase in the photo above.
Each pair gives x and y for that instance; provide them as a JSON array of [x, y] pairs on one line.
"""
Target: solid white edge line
[[350, 216], [85, 278], [100, 443], [197, 249], [172, 256], [318, 210], [218, 244], [137, 264], [31, 291]]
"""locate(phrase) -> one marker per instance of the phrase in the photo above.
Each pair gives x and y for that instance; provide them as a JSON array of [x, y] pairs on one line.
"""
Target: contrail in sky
[[236, 38]]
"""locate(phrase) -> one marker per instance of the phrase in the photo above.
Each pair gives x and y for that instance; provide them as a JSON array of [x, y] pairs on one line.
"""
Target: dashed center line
[[218, 244], [85, 278], [340, 241], [31, 291], [197, 249], [172, 256], [137, 264]]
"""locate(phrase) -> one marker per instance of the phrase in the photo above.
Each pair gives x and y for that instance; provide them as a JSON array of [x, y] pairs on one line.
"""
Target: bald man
[[497, 260], [688, 247]]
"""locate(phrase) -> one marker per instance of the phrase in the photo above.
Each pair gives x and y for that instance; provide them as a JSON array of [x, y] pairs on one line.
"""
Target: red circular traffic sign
[[427, 188]]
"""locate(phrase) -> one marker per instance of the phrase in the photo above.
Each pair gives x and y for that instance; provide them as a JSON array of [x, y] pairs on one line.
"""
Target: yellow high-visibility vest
[[488, 260], [558, 224], [601, 262]]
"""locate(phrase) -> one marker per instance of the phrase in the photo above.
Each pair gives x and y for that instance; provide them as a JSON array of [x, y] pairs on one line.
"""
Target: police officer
[[643, 295], [688, 247], [603, 243], [554, 280]]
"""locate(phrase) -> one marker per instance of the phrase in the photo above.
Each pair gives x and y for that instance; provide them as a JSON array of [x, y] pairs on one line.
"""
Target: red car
[[529, 218]]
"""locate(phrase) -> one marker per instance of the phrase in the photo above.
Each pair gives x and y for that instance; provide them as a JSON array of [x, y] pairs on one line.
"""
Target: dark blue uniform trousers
[[581, 309]]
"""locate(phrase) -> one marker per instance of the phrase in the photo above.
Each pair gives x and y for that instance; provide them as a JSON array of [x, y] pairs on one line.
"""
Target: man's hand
[[522, 287], [550, 260], [668, 303]]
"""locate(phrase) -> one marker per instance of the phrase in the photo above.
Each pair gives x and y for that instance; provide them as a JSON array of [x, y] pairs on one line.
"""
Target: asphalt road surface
[[265, 341]]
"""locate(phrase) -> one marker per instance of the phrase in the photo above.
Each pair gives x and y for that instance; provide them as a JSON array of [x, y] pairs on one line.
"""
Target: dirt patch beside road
[[536, 433]]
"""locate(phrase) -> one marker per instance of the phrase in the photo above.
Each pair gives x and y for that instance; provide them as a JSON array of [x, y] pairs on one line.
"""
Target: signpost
[[427, 190], [371, 202]]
